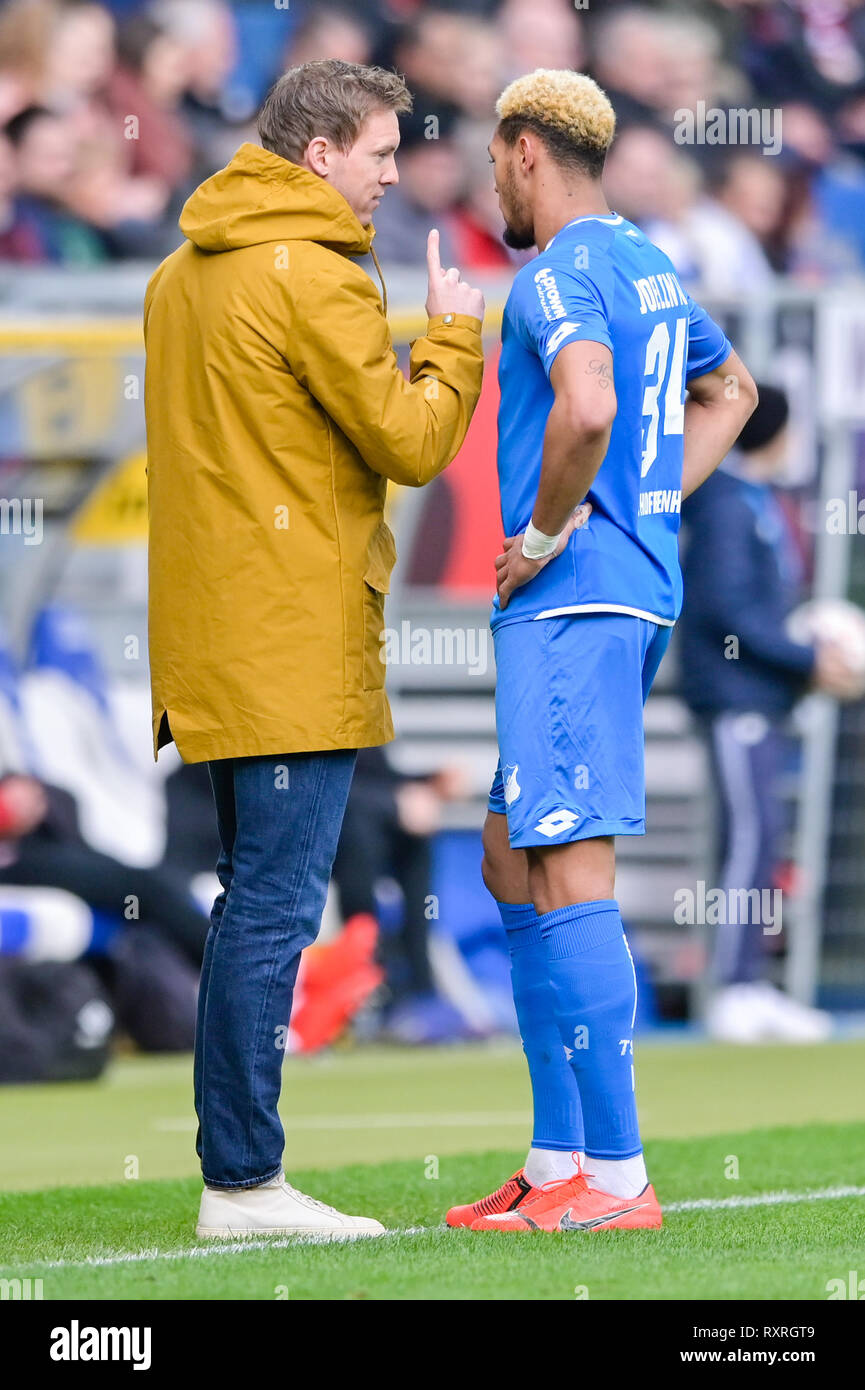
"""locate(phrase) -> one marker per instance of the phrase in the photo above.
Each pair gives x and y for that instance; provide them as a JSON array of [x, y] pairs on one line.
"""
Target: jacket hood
[[260, 197]]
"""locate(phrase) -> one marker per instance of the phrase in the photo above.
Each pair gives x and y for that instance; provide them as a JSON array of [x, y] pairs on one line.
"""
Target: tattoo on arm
[[602, 371]]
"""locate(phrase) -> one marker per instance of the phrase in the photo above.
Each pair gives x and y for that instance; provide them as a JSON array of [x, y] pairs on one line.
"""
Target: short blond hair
[[566, 109]]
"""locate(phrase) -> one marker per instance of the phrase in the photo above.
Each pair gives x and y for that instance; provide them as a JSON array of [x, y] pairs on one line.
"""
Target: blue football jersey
[[600, 279]]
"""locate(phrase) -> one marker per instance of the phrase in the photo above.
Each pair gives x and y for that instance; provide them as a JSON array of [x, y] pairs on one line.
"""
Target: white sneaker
[[751, 1013], [276, 1208], [789, 1021], [736, 1014]]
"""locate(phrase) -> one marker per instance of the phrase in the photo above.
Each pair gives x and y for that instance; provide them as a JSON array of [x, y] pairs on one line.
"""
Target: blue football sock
[[558, 1122], [595, 994]]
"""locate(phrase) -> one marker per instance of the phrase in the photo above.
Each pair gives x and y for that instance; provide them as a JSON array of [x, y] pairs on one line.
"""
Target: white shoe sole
[[246, 1232]]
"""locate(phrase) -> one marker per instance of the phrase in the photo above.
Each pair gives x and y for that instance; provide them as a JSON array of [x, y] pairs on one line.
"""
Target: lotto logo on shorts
[[555, 822]]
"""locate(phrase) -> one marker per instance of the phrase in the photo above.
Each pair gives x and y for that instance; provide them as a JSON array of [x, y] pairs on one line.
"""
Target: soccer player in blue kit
[[597, 446]]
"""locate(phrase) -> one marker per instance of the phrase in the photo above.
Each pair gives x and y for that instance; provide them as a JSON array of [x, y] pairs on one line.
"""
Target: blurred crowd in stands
[[112, 111]]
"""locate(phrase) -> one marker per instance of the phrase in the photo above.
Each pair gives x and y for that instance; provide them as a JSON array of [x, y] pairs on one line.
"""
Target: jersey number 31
[[670, 382]]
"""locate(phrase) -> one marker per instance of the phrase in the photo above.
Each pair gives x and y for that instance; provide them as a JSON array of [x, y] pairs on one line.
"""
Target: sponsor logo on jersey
[[549, 295], [662, 500]]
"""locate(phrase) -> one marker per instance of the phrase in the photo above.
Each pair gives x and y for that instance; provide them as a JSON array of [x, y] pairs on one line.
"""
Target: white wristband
[[537, 546]]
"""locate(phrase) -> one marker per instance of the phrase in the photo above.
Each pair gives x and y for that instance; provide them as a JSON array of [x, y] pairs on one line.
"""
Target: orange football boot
[[508, 1198], [574, 1206]]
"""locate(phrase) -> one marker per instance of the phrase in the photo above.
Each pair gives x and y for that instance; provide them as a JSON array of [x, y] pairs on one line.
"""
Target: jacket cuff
[[454, 321]]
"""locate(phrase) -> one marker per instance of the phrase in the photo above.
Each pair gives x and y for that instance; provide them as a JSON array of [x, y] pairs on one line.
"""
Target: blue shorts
[[569, 716]]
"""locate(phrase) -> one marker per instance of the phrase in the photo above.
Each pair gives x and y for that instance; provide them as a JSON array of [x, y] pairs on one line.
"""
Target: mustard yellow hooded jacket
[[276, 412]]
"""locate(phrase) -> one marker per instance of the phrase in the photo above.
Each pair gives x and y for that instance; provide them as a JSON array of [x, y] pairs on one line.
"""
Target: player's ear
[[527, 152]]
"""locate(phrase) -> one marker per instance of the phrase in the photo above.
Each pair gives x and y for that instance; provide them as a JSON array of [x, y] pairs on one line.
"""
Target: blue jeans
[[279, 820]]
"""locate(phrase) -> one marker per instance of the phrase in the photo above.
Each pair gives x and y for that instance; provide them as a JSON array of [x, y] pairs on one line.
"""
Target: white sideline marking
[[217, 1247], [238, 1247], [764, 1199]]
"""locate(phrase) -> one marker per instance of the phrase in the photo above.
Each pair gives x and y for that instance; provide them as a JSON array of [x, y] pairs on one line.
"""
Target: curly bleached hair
[[566, 109]]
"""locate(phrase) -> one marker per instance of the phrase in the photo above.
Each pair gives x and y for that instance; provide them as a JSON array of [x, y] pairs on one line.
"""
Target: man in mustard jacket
[[276, 413]]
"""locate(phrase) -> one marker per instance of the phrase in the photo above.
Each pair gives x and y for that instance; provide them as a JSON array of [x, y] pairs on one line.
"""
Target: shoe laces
[[577, 1182], [581, 1171], [308, 1201]]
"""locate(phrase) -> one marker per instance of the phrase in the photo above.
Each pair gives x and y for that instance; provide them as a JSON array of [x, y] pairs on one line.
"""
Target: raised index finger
[[433, 258]]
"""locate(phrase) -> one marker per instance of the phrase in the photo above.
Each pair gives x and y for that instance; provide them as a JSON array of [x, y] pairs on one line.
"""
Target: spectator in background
[[808, 50], [691, 67], [539, 36], [750, 188], [653, 63], [723, 240], [800, 213], [656, 185], [477, 225], [127, 208], [825, 196], [329, 31], [740, 676], [147, 86], [851, 126], [19, 237], [629, 57], [207, 31], [25, 32], [429, 54], [482, 64], [150, 962], [714, 240], [43, 168], [42, 846], [79, 59]]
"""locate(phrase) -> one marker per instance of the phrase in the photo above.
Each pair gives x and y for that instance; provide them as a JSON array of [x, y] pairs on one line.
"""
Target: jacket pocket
[[380, 560]]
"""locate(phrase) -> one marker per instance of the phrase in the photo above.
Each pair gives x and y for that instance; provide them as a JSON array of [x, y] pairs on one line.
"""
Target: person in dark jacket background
[[740, 676]]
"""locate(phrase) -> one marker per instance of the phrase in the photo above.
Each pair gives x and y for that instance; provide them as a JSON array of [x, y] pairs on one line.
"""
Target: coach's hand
[[448, 294], [833, 673], [514, 569]]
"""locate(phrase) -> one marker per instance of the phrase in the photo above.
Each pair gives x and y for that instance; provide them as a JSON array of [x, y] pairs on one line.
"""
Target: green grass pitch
[[758, 1156]]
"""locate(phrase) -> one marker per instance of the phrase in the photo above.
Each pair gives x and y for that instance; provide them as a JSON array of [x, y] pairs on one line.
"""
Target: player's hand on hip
[[513, 568], [448, 292]]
